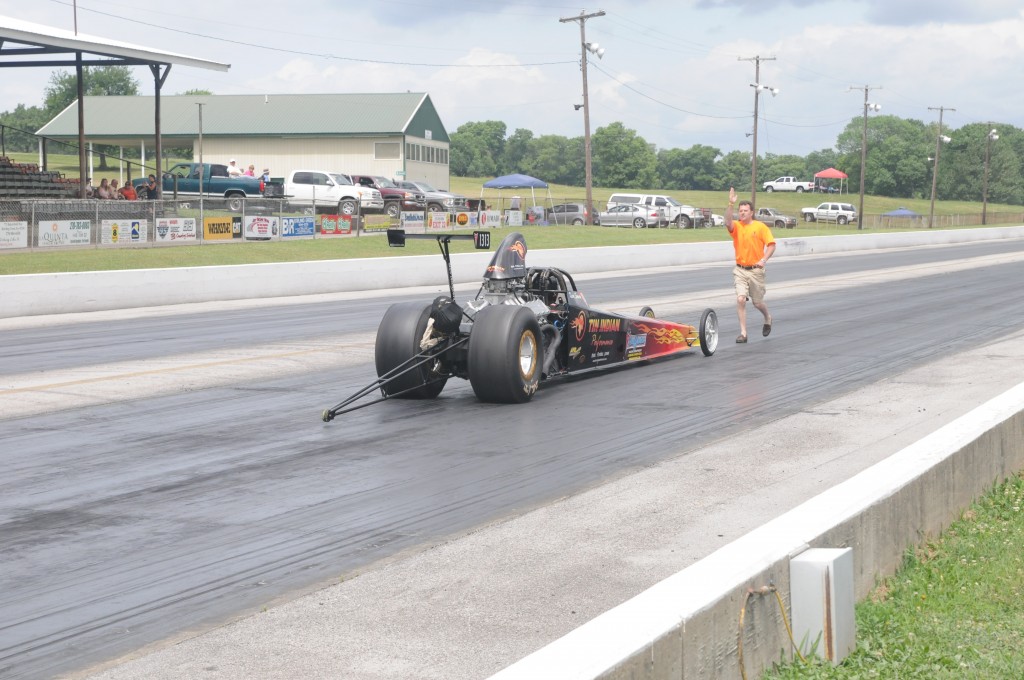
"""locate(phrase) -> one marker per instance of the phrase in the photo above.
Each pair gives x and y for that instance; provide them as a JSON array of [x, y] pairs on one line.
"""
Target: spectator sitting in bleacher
[[128, 192], [115, 191], [234, 170], [90, 190], [104, 191]]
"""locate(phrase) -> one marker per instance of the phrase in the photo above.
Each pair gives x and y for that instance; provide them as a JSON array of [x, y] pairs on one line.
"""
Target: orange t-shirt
[[749, 241]]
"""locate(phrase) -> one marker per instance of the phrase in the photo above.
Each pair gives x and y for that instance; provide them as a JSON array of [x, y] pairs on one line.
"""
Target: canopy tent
[[901, 212], [518, 181], [832, 173]]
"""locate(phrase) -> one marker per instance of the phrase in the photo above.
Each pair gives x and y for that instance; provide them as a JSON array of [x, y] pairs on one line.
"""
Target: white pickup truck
[[320, 190], [788, 184]]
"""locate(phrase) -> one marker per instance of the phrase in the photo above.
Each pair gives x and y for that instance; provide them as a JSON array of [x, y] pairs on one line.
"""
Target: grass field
[[954, 610]]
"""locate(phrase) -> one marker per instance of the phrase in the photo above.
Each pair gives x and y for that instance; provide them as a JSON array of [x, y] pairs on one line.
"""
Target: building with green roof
[[391, 134]]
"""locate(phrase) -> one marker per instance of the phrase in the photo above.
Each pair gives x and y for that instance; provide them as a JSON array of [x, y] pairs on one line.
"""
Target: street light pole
[[864, 149], [992, 134], [757, 91], [939, 138], [584, 47]]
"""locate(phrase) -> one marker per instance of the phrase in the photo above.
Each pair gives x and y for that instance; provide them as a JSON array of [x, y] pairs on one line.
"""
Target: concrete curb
[[686, 626], [35, 294]]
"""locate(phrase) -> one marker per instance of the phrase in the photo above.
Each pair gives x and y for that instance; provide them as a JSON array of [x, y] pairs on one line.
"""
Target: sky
[[678, 72]]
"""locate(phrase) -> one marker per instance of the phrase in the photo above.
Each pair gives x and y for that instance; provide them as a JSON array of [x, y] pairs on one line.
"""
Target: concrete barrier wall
[[32, 294], [686, 626]]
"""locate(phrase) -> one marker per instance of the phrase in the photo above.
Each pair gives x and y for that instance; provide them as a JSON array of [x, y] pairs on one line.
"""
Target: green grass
[[955, 609]]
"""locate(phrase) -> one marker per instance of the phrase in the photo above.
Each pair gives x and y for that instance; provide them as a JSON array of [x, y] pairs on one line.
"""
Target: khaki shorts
[[749, 283]]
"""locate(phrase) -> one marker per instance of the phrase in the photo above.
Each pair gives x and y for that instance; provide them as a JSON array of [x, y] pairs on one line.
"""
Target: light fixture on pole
[[989, 138], [939, 139], [758, 88], [868, 106], [597, 50]]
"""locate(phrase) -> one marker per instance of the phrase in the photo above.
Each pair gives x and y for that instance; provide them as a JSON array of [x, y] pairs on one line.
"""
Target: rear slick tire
[[398, 340], [505, 354]]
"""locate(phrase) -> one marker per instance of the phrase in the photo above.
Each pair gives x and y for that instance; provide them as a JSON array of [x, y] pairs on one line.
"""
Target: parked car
[[774, 218], [567, 213], [395, 198], [717, 220], [438, 200], [840, 213], [638, 216]]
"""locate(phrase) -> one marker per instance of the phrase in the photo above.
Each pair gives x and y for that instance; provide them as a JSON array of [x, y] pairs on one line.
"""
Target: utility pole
[[864, 147], [584, 47], [992, 134], [939, 138], [757, 91]]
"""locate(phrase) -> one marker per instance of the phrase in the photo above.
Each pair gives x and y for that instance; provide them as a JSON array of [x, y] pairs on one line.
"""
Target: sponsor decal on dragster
[[579, 325], [604, 325], [635, 345]]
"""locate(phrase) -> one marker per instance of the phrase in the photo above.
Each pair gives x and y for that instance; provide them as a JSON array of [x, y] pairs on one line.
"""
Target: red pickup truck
[[396, 199]]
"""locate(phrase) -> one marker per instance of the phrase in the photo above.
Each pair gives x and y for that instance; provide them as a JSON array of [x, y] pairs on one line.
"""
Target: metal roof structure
[[36, 45], [115, 119]]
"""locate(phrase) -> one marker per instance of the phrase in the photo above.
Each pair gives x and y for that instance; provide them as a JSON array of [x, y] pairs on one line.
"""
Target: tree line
[[898, 160], [897, 165]]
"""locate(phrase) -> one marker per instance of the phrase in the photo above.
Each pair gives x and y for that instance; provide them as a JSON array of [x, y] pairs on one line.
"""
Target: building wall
[[384, 155]]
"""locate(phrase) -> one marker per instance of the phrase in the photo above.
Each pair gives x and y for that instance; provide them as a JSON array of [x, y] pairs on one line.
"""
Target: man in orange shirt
[[754, 245]]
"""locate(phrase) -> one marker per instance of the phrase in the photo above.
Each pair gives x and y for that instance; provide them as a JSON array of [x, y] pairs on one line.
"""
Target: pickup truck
[[672, 211], [396, 199], [788, 184], [437, 199], [184, 179], [840, 213], [773, 217], [330, 192]]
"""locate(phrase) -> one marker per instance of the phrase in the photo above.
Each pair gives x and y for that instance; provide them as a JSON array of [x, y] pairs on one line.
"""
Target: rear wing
[[481, 241]]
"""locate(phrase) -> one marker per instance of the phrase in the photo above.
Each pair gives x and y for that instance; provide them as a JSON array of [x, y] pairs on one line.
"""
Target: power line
[[318, 55]]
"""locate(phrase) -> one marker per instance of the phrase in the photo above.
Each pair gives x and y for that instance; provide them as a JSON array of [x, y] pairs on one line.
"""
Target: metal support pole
[[587, 166]]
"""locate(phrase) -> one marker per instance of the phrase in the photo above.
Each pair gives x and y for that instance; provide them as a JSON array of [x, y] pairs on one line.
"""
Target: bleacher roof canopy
[[46, 46]]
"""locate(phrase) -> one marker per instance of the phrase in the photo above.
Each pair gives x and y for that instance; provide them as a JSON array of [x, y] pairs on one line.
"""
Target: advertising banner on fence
[[123, 232], [438, 221], [412, 222], [514, 218], [376, 223], [461, 220], [176, 229], [65, 233], [260, 227], [217, 229], [490, 218], [13, 235], [335, 225], [293, 227]]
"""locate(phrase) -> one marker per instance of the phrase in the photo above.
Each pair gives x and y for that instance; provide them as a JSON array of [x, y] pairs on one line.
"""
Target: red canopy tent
[[832, 173]]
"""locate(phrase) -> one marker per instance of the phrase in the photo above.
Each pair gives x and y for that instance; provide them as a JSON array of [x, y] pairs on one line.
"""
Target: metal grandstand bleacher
[[26, 180]]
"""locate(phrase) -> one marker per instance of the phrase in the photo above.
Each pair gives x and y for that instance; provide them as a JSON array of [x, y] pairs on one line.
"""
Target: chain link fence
[[73, 222]]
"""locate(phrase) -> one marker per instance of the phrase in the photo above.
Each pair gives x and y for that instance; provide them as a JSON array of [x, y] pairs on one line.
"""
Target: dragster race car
[[525, 325]]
